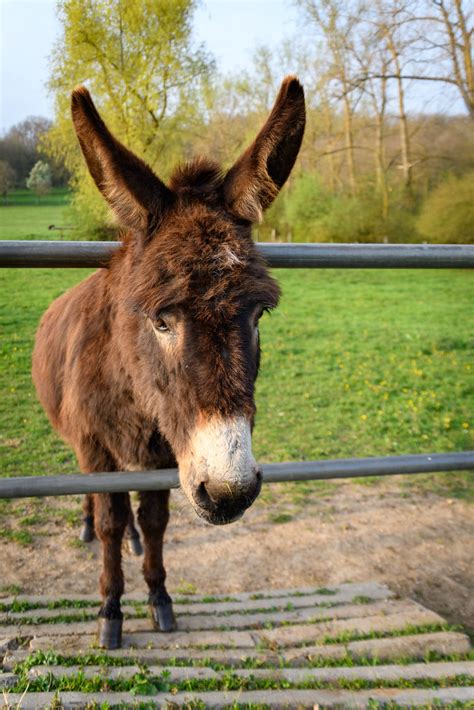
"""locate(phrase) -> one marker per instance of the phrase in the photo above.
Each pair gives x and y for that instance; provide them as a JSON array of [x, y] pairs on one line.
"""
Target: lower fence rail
[[164, 479]]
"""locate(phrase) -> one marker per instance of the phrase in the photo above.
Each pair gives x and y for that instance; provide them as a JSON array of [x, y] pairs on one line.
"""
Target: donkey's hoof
[[162, 617], [87, 533], [135, 545], [110, 633]]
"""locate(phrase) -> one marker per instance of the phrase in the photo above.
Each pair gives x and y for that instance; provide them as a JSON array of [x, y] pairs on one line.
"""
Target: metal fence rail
[[32, 254], [120, 481]]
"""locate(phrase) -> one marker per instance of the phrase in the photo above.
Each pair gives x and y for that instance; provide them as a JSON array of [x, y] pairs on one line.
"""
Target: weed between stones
[[51, 658], [143, 683]]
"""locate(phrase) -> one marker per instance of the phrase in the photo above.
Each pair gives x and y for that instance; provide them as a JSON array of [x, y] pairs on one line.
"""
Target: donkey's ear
[[254, 181], [137, 196]]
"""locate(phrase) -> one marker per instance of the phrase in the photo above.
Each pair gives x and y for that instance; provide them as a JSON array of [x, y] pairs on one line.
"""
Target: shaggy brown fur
[[136, 359]]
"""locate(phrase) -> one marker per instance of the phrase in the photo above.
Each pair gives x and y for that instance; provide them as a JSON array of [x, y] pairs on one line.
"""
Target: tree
[[39, 180], [144, 73], [391, 24], [7, 179], [447, 215], [441, 37], [338, 26], [20, 145], [448, 36]]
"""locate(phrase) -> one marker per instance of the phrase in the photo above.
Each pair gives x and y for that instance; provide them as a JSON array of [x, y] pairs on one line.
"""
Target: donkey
[[151, 362]]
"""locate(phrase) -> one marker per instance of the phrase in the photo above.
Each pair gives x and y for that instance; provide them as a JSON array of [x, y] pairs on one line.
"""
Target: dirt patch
[[419, 544]]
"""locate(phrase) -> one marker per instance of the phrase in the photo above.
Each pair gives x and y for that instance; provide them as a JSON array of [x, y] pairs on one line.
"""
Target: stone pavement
[[352, 646]]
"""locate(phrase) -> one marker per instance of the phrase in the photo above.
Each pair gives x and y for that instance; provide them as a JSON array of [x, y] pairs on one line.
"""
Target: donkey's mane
[[199, 176]]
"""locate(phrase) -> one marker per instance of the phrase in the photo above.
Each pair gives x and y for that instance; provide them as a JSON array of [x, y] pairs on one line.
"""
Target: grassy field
[[23, 217], [355, 363]]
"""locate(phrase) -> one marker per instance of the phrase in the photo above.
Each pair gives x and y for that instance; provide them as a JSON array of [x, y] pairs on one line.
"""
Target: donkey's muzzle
[[219, 504]]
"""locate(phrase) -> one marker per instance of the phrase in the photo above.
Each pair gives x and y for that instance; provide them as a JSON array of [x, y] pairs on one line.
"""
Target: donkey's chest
[[133, 438]]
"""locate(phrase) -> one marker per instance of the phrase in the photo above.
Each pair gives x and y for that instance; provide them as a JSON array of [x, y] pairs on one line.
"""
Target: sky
[[28, 29], [230, 29]]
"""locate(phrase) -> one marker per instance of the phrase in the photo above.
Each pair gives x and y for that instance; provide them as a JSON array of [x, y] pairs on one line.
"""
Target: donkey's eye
[[258, 315], [160, 324]]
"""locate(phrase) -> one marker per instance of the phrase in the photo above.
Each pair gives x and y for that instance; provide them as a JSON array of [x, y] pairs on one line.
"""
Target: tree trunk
[[403, 122], [381, 178], [349, 144], [330, 157]]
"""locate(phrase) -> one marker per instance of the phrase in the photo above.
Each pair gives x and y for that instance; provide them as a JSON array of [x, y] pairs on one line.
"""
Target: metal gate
[[44, 254]]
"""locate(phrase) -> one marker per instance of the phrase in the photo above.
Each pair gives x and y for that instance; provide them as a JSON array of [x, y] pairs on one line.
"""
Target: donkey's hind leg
[[87, 533], [153, 516], [133, 536]]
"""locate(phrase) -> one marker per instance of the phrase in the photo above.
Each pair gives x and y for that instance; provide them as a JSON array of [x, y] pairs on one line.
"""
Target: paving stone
[[152, 639], [342, 596], [300, 656], [111, 672], [302, 620], [309, 614], [175, 674], [284, 699], [181, 673], [414, 671], [276, 699], [443, 642], [307, 633], [394, 618], [232, 658], [76, 627], [70, 700], [204, 622], [370, 589], [7, 642], [7, 680], [299, 598], [13, 617], [387, 649]]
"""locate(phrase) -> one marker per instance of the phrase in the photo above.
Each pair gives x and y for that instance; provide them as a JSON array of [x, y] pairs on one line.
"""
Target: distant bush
[[447, 215], [314, 214], [7, 179], [307, 205], [360, 219], [39, 180], [89, 213]]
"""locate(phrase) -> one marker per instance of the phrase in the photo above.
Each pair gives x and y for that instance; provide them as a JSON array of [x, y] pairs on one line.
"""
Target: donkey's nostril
[[202, 496]]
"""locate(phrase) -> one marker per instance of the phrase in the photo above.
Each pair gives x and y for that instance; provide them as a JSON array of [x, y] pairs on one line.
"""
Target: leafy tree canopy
[[145, 75]]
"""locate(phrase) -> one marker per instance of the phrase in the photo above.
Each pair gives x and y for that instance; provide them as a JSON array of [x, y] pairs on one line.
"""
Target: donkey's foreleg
[[87, 533], [153, 516], [111, 516]]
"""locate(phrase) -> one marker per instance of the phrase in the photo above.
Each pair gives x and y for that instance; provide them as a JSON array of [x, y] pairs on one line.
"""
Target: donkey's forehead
[[203, 237], [207, 262]]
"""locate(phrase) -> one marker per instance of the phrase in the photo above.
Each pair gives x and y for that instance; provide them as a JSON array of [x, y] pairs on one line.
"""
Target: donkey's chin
[[216, 518], [222, 509]]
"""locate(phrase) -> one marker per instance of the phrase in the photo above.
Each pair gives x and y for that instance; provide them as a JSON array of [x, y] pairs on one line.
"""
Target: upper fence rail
[[37, 254]]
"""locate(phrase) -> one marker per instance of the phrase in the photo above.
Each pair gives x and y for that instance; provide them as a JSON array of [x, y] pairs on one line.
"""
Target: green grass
[[24, 218], [144, 684], [52, 658], [355, 363]]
